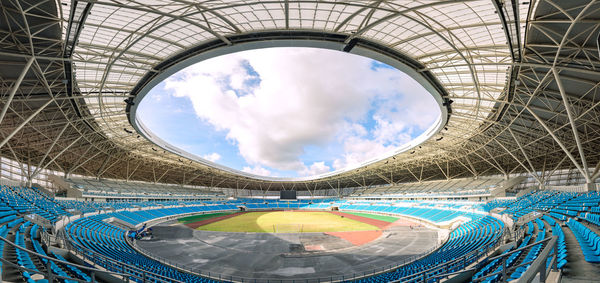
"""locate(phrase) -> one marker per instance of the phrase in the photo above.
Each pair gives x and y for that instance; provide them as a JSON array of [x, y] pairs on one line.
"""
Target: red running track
[[377, 223]]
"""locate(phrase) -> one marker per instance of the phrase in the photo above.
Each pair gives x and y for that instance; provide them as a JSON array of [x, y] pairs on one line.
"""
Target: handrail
[[463, 259], [49, 273], [78, 249], [339, 278], [220, 277], [542, 257]]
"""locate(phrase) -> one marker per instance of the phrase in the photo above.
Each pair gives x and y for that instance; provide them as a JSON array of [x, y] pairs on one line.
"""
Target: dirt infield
[[357, 238], [378, 223], [197, 224]]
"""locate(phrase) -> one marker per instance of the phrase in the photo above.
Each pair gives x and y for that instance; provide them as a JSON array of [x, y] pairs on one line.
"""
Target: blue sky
[[288, 112]]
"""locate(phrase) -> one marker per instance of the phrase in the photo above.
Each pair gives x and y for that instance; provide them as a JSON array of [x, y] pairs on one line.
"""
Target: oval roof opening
[[288, 112]]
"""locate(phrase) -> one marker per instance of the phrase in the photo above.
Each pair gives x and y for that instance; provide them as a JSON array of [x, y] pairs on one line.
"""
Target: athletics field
[[285, 222]]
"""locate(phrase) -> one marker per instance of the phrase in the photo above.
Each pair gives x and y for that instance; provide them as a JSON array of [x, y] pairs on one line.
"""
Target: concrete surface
[[279, 256]]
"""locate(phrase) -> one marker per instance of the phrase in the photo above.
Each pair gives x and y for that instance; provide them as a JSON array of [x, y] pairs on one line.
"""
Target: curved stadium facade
[[509, 173]]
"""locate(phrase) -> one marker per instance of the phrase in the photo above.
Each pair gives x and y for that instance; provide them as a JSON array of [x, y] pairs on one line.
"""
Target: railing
[[443, 270], [338, 278], [464, 260], [112, 264], [528, 217], [50, 276], [37, 219], [573, 188], [536, 266]]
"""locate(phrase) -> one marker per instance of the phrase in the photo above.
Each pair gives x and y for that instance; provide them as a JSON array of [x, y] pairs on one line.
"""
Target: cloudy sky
[[288, 112]]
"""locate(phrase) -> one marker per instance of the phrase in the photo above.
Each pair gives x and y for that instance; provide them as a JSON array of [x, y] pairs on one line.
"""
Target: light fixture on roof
[[129, 101]]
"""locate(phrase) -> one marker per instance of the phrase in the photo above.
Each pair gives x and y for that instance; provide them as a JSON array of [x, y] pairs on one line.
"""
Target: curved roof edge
[[287, 39]]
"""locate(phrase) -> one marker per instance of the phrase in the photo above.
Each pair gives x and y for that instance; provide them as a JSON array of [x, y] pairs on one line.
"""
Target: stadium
[[299, 141]]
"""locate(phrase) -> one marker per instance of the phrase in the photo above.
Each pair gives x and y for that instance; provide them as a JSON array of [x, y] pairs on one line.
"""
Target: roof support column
[[82, 163], [557, 140], [38, 170], [15, 87], [16, 130], [540, 178], [533, 174], [573, 126], [596, 173], [52, 145]]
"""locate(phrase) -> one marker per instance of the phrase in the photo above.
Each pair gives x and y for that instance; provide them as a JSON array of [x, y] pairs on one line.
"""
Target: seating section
[[454, 187], [117, 189], [80, 274], [534, 251], [588, 240], [30, 201], [93, 234], [561, 258], [491, 267], [475, 235], [55, 269], [561, 208], [99, 239], [591, 218], [81, 206]]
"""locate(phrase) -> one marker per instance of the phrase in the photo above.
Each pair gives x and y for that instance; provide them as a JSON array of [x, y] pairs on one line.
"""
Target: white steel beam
[[557, 140], [15, 87], [572, 122], [18, 128]]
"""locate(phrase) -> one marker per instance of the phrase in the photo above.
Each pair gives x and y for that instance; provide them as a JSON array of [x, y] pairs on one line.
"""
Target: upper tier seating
[[31, 201], [454, 187], [118, 189]]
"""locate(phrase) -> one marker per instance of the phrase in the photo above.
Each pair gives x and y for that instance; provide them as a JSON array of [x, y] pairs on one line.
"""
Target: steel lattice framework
[[520, 80]]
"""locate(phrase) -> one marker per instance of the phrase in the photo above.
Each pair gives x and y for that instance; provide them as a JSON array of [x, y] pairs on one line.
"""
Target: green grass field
[[375, 216], [194, 218], [287, 222]]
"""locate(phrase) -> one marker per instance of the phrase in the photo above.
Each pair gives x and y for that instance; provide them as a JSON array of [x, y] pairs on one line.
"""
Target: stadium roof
[[519, 81]]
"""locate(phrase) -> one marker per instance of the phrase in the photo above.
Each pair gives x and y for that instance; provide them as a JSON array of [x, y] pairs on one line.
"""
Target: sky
[[288, 112]]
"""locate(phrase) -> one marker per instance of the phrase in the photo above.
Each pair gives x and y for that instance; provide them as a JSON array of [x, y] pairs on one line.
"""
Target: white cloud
[[315, 169], [306, 97], [213, 157], [257, 170]]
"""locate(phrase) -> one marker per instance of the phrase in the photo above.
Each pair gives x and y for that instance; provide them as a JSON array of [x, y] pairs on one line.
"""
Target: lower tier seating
[[476, 235]]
